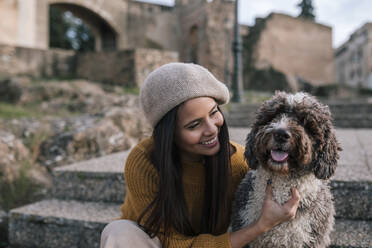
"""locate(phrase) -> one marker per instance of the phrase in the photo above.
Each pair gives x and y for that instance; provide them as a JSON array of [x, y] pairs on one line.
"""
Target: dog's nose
[[281, 135]]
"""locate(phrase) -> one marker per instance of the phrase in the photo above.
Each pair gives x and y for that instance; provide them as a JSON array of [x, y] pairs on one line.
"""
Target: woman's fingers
[[295, 199], [269, 191], [274, 213], [291, 205]]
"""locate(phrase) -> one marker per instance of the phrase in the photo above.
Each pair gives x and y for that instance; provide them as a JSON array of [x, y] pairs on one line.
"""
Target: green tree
[[307, 10], [58, 29], [69, 32]]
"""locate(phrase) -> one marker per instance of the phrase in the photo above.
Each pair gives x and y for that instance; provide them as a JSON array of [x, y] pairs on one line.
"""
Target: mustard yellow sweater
[[141, 187]]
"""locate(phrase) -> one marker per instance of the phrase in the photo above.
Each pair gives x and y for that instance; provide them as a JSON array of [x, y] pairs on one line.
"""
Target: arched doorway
[[105, 37], [194, 44]]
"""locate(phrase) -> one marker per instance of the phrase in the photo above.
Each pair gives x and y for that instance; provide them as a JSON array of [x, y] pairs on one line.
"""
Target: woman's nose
[[210, 128]]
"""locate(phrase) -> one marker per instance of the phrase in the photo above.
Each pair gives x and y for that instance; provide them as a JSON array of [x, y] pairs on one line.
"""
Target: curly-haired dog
[[292, 142]]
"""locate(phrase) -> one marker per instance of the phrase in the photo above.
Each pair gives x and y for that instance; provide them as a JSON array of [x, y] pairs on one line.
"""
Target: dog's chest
[[289, 233]]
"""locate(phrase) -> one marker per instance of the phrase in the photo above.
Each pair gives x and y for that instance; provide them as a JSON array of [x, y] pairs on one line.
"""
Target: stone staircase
[[345, 115], [88, 195]]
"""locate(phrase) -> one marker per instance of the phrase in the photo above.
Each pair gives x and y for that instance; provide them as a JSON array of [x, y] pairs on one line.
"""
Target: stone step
[[336, 116], [58, 223], [335, 108], [63, 224], [102, 180], [246, 121], [349, 233], [99, 179], [340, 115], [345, 115], [353, 200]]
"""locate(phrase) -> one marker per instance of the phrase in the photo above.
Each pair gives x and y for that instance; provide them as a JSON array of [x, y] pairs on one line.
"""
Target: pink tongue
[[279, 156]]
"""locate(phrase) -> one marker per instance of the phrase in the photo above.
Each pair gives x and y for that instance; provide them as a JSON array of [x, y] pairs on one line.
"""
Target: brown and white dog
[[292, 143]]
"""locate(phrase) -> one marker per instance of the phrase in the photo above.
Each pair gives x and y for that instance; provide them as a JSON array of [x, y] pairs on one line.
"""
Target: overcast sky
[[344, 16]]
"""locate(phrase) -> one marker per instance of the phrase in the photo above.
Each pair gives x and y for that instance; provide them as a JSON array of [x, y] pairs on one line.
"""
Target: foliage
[[33, 143], [131, 90], [10, 111], [258, 97], [307, 10], [20, 191], [58, 29], [69, 32], [121, 89]]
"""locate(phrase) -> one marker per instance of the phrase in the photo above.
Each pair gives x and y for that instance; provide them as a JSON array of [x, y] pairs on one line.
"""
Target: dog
[[292, 143]]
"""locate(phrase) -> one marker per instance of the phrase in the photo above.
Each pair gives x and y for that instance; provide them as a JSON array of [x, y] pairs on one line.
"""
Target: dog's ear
[[325, 163], [249, 150], [317, 119]]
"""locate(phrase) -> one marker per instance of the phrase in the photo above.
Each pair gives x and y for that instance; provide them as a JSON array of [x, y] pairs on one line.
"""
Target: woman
[[181, 181]]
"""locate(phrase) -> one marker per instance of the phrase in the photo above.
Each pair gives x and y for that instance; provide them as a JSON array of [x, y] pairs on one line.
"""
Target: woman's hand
[[274, 213]]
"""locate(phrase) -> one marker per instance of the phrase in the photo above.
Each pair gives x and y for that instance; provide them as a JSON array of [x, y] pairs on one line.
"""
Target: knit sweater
[[141, 186]]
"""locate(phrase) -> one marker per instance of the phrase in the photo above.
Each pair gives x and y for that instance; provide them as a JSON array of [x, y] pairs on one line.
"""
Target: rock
[[11, 89], [12, 151], [137, 127], [90, 136], [111, 122], [16, 165]]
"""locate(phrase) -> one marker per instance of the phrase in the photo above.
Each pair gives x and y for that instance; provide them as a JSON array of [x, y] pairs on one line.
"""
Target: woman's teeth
[[210, 142]]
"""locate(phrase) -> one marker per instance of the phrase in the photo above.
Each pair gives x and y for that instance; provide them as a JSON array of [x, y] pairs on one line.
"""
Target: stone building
[[197, 30], [353, 59], [281, 51]]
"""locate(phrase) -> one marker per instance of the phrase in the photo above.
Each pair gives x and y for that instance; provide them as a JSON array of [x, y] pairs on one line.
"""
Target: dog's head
[[293, 133]]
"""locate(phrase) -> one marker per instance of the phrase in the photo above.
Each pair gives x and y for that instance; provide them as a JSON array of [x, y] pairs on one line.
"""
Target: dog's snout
[[281, 135]]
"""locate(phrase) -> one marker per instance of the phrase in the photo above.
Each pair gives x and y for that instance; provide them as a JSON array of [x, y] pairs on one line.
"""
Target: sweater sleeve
[[141, 186]]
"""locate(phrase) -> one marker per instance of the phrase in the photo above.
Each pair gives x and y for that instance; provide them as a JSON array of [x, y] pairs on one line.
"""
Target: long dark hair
[[168, 210]]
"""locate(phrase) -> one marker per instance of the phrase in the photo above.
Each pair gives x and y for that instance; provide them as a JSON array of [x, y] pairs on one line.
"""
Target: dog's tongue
[[279, 156]]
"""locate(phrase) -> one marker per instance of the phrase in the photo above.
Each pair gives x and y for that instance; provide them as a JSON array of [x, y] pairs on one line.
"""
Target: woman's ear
[[249, 151], [325, 163]]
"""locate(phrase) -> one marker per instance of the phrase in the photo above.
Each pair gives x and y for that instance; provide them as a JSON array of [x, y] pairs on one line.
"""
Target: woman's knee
[[118, 227], [126, 233]]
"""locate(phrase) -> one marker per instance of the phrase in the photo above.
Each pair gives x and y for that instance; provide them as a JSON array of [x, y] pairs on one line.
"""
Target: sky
[[344, 16]]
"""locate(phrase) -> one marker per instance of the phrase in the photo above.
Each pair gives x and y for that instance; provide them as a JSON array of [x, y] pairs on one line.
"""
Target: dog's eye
[[312, 128]]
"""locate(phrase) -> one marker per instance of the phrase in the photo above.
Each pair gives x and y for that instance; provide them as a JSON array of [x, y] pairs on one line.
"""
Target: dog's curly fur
[[292, 142]]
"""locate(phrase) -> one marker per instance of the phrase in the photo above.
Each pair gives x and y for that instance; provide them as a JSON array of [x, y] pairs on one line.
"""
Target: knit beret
[[173, 83]]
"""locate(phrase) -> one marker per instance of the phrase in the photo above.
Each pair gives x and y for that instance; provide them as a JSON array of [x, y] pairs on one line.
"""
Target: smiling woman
[[198, 124], [180, 182]]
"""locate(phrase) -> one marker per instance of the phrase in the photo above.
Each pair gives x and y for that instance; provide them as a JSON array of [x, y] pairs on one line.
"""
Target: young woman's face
[[198, 124]]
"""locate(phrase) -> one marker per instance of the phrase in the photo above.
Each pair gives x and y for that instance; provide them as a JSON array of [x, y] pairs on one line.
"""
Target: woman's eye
[[193, 126], [214, 112]]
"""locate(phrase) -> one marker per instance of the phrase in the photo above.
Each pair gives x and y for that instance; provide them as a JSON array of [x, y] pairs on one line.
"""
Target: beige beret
[[173, 83]]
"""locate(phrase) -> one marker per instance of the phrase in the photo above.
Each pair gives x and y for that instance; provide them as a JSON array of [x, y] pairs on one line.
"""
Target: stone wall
[[353, 60], [36, 62], [132, 24], [128, 67], [199, 30], [296, 47], [147, 60], [20, 23], [9, 22], [151, 26], [206, 33]]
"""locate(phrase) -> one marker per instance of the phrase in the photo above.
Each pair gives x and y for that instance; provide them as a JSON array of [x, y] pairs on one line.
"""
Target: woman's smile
[[198, 125], [210, 143]]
